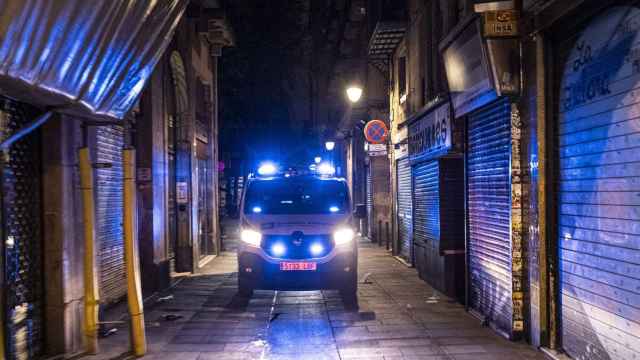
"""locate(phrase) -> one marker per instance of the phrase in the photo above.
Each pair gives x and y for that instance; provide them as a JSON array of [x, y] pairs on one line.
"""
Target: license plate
[[298, 266]]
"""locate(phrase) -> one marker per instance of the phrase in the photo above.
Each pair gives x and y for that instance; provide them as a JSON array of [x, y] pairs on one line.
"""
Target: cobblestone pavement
[[399, 317]]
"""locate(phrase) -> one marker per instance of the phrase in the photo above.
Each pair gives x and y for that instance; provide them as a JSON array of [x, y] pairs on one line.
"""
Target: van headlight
[[251, 237], [343, 236]]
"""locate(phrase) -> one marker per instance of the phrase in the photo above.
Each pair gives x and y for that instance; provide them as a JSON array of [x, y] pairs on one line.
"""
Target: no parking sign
[[376, 132]]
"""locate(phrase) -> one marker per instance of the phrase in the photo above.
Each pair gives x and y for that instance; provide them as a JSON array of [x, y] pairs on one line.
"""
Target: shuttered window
[[404, 209], [598, 231], [489, 201], [109, 215]]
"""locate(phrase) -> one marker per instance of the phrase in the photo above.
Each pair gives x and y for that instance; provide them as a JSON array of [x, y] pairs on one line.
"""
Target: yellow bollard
[[91, 297], [134, 293]]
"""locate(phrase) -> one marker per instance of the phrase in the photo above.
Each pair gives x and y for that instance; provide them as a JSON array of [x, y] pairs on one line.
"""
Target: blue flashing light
[[257, 209], [278, 249], [316, 249], [334, 209], [267, 169], [326, 169]]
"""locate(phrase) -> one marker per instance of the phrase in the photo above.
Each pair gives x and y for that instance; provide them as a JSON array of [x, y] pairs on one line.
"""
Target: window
[[402, 79], [296, 196]]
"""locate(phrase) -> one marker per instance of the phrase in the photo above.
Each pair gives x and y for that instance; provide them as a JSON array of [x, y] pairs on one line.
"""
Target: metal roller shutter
[[109, 202], [22, 232], [598, 231], [426, 217], [405, 231], [489, 206], [369, 184], [426, 204]]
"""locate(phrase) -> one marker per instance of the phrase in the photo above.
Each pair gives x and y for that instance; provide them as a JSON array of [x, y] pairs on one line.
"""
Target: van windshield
[[296, 196]]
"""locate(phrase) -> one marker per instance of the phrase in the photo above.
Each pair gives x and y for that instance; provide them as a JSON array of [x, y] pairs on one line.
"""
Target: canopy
[[85, 57]]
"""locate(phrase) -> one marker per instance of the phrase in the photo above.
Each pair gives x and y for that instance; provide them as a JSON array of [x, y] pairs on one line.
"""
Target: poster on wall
[[467, 69]]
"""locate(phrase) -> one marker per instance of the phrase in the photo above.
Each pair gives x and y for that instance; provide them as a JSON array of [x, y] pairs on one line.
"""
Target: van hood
[[286, 224]]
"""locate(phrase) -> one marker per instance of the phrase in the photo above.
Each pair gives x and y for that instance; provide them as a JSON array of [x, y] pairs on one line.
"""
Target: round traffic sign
[[376, 132]]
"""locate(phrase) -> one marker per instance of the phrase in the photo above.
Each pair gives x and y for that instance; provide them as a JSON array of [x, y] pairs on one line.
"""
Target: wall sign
[[182, 192], [467, 68], [500, 23], [430, 135], [401, 150], [376, 132], [377, 149]]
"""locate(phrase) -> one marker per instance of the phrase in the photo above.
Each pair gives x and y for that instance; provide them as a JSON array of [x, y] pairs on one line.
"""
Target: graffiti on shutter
[[599, 188], [405, 215], [21, 209], [489, 207], [109, 204]]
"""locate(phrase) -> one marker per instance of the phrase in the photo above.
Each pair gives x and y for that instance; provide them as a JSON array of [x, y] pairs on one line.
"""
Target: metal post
[[379, 234], [388, 234], [91, 296], [132, 263]]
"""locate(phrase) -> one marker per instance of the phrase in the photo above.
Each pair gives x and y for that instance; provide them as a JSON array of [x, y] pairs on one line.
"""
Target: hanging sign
[[430, 135], [376, 132], [467, 69], [500, 23]]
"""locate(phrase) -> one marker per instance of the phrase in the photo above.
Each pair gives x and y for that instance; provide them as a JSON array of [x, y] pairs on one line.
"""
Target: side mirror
[[360, 211]]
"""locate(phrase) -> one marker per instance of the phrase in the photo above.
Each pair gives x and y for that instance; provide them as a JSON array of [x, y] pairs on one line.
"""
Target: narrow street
[[399, 317]]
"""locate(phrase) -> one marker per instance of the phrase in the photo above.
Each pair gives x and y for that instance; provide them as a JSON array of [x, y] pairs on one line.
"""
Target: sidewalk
[[399, 317]]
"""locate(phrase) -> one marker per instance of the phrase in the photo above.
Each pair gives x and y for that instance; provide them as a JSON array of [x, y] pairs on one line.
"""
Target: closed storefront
[[22, 263], [489, 213], [109, 215], [494, 171], [438, 201], [404, 206], [598, 221]]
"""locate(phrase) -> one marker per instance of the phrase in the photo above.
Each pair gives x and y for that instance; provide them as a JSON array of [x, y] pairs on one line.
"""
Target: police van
[[297, 233]]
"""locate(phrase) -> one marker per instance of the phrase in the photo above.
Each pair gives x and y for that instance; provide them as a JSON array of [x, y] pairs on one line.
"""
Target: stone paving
[[399, 317]]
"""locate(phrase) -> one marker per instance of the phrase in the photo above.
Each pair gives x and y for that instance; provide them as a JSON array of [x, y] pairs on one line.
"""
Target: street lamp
[[354, 92], [317, 159], [329, 145]]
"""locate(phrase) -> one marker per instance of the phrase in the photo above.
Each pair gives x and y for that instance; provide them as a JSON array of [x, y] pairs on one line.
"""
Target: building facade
[[173, 128], [530, 124]]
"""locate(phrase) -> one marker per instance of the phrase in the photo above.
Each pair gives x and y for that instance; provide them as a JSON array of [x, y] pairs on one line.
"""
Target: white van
[[297, 234]]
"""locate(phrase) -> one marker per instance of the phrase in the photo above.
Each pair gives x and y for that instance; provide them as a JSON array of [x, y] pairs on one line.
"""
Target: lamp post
[[354, 93], [329, 145]]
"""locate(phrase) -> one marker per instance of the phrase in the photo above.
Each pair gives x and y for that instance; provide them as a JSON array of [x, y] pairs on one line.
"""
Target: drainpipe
[[91, 297], [132, 263]]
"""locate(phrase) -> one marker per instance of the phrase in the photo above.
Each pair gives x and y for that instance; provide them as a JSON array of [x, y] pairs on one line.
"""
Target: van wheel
[[349, 292], [244, 289]]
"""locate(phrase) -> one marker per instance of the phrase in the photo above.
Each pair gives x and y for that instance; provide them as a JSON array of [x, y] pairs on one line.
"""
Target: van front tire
[[244, 288]]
